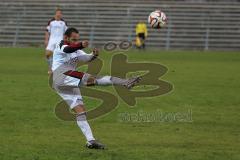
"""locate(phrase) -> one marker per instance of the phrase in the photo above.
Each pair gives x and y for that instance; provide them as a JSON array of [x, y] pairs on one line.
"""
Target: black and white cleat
[[132, 82], [93, 144]]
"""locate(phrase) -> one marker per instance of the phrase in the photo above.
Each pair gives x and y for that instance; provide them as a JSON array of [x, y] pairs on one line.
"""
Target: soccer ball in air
[[157, 19]]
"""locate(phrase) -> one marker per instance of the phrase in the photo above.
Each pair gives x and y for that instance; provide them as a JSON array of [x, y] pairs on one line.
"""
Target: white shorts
[[68, 88], [52, 45], [69, 91]]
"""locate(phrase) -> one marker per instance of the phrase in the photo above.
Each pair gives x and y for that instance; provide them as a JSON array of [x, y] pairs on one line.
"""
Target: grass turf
[[207, 83]]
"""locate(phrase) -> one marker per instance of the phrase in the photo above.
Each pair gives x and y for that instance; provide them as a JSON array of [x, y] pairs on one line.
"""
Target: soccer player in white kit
[[53, 35], [67, 80]]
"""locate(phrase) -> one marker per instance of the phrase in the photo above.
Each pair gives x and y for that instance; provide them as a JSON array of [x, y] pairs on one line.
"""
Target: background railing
[[198, 24]]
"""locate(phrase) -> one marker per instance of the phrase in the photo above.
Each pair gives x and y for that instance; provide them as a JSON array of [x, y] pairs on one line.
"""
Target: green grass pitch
[[207, 83]]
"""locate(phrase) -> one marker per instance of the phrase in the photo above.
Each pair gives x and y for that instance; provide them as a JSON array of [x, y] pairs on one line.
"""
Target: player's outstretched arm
[[88, 57]]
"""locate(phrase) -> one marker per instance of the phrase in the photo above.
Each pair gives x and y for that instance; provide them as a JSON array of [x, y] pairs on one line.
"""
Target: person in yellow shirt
[[141, 34]]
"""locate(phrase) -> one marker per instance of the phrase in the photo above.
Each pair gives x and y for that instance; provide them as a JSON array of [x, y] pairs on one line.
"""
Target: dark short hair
[[69, 31], [58, 9]]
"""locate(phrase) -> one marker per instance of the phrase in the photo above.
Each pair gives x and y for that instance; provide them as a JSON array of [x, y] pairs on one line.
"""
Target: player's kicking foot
[[132, 82], [93, 144]]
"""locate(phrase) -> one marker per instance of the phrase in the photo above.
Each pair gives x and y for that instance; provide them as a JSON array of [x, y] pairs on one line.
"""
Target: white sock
[[105, 80], [108, 80], [84, 126]]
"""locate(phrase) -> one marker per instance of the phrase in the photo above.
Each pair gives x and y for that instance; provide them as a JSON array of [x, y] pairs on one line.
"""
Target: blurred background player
[[141, 34], [53, 35]]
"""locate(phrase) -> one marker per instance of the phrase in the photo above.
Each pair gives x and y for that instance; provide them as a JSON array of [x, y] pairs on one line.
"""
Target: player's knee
[[91, 81], [88, 80], [79, 109]]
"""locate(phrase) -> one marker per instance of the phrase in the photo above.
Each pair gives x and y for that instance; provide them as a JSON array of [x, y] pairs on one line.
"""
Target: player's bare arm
[[46, 38]]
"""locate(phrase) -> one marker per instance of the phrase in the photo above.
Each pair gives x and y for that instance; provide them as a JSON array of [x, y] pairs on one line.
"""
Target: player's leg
[[67, 88], [138, 42], [142, 38], [85, 128], [143, 41], [82, 122], [89, 80], [49, 54], [81, 117]]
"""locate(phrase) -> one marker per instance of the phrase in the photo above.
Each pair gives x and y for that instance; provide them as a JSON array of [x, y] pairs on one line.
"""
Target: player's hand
[[95, 52], [85, 43]]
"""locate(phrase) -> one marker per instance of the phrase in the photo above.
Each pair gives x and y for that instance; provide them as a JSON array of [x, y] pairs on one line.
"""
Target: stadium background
[[199, 46], [192, 24]]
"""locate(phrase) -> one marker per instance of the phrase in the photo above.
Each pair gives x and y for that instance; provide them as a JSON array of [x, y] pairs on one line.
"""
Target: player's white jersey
[[56, 29], [68, 61]]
